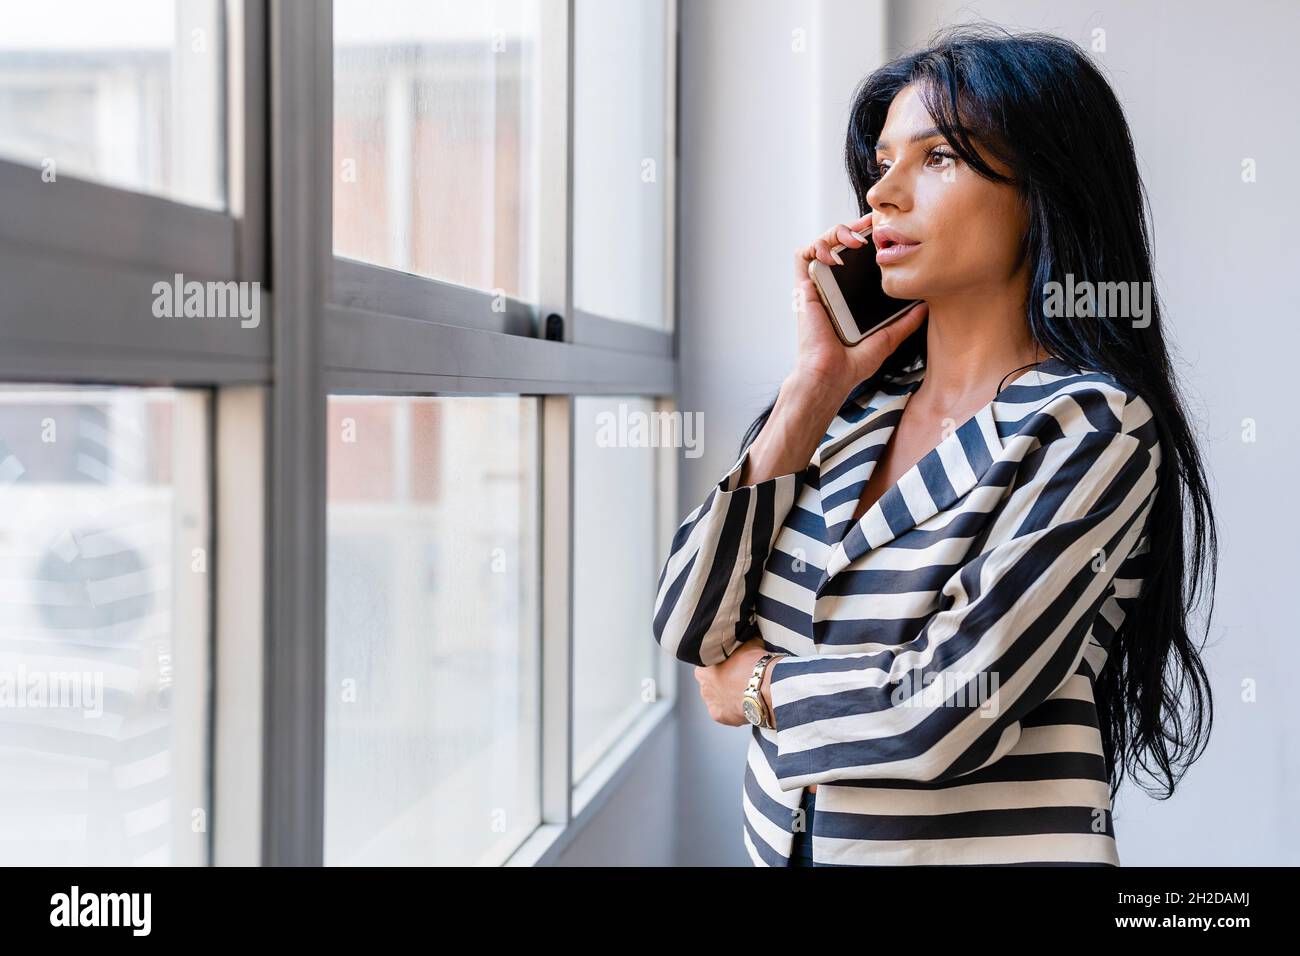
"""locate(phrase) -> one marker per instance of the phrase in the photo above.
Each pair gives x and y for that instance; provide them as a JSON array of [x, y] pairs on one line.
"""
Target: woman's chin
[[898, 284]]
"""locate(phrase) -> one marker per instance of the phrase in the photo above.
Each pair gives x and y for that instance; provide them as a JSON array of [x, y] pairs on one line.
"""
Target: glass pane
[[435, 146], [614, 571], [433, 716], [619, 200], [127, 94], [103, 627]]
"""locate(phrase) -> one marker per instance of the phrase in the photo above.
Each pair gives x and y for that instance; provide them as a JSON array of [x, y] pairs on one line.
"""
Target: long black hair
[[1038, 104]]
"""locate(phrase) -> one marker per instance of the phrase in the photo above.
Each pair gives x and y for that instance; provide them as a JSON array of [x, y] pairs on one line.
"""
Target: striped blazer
[[943, 647]]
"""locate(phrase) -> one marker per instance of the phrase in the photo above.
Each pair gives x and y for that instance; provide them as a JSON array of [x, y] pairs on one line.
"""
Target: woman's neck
[[971, 346]]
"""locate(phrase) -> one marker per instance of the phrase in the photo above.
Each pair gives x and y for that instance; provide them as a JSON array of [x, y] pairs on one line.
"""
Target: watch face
[[751, 712]]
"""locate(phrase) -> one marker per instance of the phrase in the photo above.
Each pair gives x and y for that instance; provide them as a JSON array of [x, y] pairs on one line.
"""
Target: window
[[435, 148], [123, 94], [621, 171], [615, 572], [114, 172], [377, 402], [104, 558], [433, 710]]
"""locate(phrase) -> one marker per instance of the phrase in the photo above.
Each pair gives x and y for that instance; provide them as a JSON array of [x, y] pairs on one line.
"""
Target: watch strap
[[754, 688]]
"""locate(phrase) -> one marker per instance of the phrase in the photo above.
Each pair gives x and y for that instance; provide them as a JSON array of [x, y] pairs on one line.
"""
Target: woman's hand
[[823, 361], [826, 369], [723, 685]]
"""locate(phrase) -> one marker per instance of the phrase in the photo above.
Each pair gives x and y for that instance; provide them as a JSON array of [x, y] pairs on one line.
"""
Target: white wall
[[635, 825], [762, 132]]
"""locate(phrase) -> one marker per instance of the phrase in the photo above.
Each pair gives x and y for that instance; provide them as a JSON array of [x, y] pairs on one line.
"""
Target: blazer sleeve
[[704, 608], [1012, 628]]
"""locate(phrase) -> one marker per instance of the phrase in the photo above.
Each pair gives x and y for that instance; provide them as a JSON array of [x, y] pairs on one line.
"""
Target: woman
[[949, 563]]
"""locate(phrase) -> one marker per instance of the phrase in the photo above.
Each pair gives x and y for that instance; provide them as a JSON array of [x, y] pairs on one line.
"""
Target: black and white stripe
[[943, 646]]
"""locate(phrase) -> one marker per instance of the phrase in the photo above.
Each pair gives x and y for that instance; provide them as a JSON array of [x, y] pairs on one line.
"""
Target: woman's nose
[[887, 191]]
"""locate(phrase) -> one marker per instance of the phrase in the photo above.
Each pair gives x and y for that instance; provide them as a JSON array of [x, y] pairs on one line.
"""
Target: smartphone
[[852, 295]]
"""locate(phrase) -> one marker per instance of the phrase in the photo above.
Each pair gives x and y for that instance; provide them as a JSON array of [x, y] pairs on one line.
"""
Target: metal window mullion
[[670, 175], [246, 131], [555, 181], [369, 347], [78, 265], [362, 287], [666, 500], [238, 637], [78, 219], [555, 295], [621, 335], [240, 478], [74, 249], [301, 58], [557, 608]]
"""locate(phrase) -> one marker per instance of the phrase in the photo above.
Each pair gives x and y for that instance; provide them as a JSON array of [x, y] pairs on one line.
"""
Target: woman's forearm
[[803, 411]]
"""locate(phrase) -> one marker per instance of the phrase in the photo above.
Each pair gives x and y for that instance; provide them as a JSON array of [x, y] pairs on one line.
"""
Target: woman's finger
[[825, 254], [848, 237], [811, 300]]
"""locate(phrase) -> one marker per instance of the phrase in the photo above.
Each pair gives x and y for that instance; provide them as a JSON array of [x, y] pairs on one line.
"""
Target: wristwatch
[[756, 711]]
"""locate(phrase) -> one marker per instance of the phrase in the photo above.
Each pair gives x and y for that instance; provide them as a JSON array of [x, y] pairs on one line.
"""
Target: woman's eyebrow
[[914, 138]]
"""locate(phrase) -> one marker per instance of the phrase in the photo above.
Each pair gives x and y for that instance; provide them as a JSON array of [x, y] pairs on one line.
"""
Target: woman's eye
[[946, 158]]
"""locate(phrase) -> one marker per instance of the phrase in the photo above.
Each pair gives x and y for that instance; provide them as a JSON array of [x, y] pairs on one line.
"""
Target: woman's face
[[969, 230]]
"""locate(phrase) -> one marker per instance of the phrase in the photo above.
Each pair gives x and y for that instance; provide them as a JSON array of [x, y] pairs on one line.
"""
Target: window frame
[[64, 255], [381, 325], [77, 312]]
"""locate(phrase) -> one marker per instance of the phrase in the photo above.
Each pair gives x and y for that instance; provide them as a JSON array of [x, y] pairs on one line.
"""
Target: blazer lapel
[[841, 449], [936, 482]]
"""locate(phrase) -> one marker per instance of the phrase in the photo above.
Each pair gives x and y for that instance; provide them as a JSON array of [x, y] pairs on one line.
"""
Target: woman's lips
[[891, 254]]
